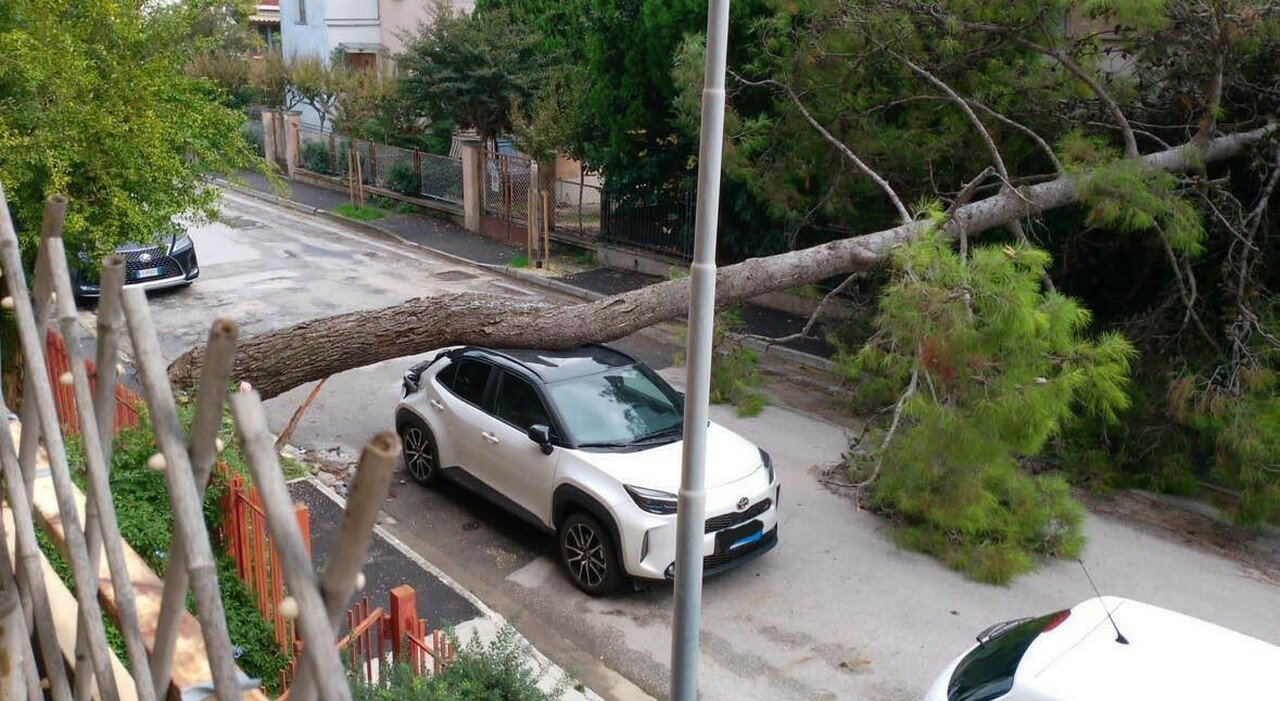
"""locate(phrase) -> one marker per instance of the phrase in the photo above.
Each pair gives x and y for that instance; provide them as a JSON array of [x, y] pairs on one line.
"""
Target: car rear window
[[987, 671]]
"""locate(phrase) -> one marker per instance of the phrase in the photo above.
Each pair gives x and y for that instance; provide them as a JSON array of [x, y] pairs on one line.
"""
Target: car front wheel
[[587, 553], [420, 455]]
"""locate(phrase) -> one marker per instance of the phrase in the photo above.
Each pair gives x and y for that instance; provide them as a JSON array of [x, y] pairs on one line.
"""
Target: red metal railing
[[64, 396]]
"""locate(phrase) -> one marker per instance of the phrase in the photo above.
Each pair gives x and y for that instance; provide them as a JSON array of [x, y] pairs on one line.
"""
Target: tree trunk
[[278, 361]]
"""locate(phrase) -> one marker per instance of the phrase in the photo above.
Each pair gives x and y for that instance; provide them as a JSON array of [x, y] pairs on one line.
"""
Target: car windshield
[[618, 407], [987, 671]]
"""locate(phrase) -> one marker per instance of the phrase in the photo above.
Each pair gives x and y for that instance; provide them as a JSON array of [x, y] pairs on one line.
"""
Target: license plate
[[146, 273], [731, 539]]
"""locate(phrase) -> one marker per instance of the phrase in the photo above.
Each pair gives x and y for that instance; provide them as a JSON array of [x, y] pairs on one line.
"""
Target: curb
[[494, 618], [780, 352]]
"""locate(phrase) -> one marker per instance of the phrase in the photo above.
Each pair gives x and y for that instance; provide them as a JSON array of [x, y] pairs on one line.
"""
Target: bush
[[735, 369], [402, 179], [497, 671], [315, 158]]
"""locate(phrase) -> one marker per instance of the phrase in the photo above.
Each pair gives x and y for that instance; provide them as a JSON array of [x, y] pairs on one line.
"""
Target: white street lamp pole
[[692, 504]]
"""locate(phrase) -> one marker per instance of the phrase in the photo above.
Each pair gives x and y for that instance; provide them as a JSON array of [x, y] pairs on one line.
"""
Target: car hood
[[730, 457]]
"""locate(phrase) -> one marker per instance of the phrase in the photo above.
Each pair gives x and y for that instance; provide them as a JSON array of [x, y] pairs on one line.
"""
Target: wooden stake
[[318, 651], [184, 498], [214, 376]]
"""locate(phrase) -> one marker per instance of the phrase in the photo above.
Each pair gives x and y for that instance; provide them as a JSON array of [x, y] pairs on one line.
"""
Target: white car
[[1136, 652], [586, 444]]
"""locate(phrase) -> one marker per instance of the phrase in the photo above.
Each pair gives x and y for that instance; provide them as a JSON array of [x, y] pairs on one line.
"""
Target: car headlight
[[768, 464], [652, 500], [181, 244]]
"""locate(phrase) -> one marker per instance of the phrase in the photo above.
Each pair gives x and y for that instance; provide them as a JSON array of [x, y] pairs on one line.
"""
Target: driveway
[[836, 611]]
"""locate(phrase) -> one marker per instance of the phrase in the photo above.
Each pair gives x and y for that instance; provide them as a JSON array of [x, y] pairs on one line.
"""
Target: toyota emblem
[[742, 503], [145, 257]]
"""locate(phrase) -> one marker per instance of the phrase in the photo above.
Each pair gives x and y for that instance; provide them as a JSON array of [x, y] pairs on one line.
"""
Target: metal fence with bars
[[656, 220], [575, 208]]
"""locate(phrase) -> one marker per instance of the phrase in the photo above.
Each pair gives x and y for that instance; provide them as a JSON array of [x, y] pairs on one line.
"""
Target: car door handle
[[489, 437], [436, 405]]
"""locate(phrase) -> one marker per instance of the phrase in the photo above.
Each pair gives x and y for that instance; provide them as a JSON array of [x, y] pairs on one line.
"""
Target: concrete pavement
[[837, 611]]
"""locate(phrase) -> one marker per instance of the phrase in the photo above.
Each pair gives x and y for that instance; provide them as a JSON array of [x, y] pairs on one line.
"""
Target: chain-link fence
[[407, 172], [506, 186]]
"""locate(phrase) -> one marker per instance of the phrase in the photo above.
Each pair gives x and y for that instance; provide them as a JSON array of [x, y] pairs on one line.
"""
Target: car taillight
[[1057, 620]]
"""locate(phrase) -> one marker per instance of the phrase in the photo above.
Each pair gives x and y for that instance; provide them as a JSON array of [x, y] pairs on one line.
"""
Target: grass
[[357, 212], [518, 261]]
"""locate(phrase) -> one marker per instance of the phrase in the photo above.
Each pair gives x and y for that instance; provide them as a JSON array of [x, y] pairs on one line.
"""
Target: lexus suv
[[585, 444], [1111, 649], [171, 263]]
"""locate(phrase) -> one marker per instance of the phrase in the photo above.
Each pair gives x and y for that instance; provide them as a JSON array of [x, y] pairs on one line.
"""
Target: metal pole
[[693, 499]]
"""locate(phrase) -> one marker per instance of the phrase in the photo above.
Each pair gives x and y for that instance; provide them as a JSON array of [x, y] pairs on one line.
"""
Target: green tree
[[97, 106], [319, 84], [474, 70]]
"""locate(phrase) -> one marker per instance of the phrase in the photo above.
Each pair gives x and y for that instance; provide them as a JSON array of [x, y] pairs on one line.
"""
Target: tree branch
[[278, 361], [1126, 131], [903, 214]]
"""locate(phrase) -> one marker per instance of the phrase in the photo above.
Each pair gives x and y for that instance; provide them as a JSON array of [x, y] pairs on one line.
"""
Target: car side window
[[518, 404], [469, 380]]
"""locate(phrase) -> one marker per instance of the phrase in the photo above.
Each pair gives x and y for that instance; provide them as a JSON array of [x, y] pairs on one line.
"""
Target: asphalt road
[[836, 611]]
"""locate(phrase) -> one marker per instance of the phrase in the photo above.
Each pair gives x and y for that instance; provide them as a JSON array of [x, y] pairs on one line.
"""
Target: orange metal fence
[[245, 539], [64, 396]]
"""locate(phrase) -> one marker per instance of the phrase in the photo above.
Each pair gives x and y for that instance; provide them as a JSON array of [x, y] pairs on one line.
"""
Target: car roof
[[556, 365], [1170, 656]]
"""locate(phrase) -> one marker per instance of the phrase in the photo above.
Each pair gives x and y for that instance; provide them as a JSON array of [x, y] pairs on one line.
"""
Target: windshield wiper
[[604, 444], [675, 431]]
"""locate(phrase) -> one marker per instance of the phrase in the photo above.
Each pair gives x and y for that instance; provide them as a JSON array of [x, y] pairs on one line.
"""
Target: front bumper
[[155, 273], [649, 541]]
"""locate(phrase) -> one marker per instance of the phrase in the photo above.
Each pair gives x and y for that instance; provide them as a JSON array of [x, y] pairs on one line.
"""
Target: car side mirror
[[541, 434]]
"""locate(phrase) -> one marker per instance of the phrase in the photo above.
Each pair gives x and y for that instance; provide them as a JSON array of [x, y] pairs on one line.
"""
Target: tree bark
[[278, 361]]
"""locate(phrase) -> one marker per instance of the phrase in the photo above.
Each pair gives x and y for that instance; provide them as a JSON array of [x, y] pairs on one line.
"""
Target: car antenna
[[1119, 636]]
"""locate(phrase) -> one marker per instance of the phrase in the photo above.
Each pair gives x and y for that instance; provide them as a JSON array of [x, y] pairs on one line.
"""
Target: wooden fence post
[[404, 619]]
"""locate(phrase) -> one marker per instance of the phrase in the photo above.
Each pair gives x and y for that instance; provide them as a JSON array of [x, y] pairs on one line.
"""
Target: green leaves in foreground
[[1001, 366]]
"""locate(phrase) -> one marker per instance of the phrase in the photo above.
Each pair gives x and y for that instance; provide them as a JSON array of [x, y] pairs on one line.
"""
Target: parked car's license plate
[[146, 273], [731, 539]]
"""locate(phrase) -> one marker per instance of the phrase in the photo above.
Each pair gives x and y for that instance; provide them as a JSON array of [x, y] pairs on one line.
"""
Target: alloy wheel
[[419, 454], [585, 555]]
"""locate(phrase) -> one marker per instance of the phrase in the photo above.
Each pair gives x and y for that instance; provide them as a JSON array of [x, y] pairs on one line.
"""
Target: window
[[618, 406], [987, 672], [518, 404], [361, 62], [469, 380], [302, 11]]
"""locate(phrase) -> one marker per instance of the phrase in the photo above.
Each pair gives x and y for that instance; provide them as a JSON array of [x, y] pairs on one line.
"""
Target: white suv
[[1111, 649], [586, 444]]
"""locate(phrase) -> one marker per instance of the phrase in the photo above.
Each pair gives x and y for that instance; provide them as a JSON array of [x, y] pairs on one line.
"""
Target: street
[[836, 611]]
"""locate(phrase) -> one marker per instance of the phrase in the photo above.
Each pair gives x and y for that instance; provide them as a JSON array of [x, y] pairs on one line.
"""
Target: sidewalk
[[440, 600], [442, 236]]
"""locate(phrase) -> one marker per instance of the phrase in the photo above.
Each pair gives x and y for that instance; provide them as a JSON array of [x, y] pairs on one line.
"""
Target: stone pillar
[[292, 142], [269, 118], [472, 185]]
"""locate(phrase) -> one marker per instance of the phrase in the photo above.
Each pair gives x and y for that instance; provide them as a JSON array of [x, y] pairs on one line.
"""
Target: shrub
[[735, 369], [315, 158], [402, 179], [500, 670]]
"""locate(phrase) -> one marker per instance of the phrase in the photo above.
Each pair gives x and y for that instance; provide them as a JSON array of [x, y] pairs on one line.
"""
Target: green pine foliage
[[735, 369], [1000, 367]]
